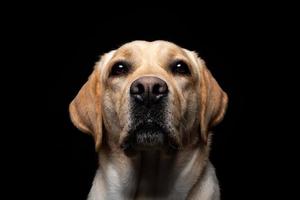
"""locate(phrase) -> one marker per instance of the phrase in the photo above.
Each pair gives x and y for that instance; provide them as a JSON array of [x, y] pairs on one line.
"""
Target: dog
[[150, 107]]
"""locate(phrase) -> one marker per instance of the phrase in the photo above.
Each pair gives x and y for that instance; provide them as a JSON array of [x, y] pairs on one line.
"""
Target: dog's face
[[149, 98], [149, 95]]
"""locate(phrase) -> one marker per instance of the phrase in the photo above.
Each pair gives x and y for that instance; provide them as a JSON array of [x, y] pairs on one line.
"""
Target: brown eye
[[180, 67], [119, 68]]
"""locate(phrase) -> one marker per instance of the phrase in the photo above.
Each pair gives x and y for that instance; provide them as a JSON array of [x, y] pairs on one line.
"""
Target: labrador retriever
[[150, 107]]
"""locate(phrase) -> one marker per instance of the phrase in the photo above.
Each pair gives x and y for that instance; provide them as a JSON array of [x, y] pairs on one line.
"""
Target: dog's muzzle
[[148, 128]]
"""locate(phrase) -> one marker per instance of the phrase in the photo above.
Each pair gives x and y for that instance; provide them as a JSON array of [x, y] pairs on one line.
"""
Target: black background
[[60, 45]]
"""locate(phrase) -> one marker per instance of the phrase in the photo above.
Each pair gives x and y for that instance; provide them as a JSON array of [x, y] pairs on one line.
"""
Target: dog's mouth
[[147, 136]]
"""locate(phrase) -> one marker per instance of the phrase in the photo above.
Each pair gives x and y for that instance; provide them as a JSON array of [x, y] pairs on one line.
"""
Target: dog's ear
[[213, 101], [85, 109]]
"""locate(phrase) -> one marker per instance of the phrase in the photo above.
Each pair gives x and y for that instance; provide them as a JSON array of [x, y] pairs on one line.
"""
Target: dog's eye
[[180, 67], [119, 68]]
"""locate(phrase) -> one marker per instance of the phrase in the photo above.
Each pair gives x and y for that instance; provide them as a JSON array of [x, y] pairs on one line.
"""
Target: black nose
[[148, 90]]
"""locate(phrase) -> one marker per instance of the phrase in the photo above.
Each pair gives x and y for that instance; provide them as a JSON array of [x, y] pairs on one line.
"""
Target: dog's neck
[[168, 177], [149, 175]]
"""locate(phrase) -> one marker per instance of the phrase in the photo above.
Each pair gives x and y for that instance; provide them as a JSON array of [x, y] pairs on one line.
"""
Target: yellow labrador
[[150, 107]]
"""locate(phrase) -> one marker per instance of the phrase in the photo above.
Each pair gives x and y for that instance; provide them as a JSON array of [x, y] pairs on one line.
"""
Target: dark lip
[[129, 144], [129, 141], [148, 124]]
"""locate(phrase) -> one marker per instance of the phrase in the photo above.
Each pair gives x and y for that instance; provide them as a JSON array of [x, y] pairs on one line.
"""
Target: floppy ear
[[85, 109], [213, 102]]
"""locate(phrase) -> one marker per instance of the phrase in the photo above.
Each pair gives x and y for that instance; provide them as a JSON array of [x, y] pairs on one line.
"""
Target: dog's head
[[149, 95]]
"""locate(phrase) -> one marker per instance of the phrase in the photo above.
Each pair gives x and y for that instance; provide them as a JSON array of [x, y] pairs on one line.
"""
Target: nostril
[[159, 89], [163, 89], [137, 89], [156, 89], [140, 88]]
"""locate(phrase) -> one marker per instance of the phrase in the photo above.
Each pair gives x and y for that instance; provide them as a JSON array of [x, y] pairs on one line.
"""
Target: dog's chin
[[147, 137]]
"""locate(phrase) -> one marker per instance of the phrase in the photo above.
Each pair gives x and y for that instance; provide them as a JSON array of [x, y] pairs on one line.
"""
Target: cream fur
[[193, 101]]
